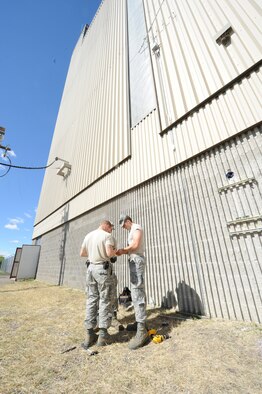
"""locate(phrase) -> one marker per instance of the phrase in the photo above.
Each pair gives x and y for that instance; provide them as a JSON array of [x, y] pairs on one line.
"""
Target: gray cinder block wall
[[202, 229]]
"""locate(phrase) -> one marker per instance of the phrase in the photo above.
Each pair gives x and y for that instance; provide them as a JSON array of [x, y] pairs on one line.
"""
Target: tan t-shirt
[[95, 245], [141, 248]]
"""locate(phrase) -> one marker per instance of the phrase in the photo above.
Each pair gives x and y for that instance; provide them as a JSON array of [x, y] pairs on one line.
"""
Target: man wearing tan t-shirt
[[99, 246], [135, 250]]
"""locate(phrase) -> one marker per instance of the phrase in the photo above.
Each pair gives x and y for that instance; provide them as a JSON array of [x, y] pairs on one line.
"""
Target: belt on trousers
[[133, 256], [106, 264]]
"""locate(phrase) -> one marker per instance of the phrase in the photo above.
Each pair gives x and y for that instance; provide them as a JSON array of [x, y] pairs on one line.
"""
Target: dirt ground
[[42, 329]]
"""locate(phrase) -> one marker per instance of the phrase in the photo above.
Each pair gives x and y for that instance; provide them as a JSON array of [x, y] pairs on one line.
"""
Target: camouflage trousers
[[113, 294], [137, 275], [98, 304]]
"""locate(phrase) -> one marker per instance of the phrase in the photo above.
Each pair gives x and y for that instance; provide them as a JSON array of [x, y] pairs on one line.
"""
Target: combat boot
[[103, 337], [90, 340], [141, 337]]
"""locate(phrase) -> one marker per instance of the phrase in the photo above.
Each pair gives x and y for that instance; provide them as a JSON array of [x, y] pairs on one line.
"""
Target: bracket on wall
[[242, 182], [245, 225], [65, 169], [156, 49], [223, 37]]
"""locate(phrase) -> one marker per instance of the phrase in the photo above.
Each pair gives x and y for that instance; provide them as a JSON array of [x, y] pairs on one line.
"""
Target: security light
[[229, 174], [65, 169]]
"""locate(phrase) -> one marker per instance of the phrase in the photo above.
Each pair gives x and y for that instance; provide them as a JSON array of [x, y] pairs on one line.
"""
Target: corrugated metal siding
[[235, 110], [191, 65], [93, 133], [92, 129], [229, 113], [195, 261]]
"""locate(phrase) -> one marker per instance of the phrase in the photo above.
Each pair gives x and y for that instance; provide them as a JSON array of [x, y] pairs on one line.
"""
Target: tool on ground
[[160, 338], [157, 338], [69, 350], [152, 332], [91, 352]]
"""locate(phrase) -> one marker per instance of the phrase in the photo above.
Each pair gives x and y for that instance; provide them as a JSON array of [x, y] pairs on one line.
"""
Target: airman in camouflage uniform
[[99, 246], [135, 250]]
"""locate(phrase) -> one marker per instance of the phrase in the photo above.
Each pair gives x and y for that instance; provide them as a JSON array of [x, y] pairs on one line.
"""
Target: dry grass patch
[[39, 322]]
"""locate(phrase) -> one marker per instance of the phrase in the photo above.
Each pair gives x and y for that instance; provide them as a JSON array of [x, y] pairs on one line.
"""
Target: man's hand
[[133, 246], [119, 252]]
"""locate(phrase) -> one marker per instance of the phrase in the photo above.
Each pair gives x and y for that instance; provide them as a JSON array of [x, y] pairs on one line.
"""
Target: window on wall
[[142, 90]]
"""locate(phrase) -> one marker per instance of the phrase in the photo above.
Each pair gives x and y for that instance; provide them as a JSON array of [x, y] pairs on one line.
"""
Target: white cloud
[[12, 153], [27, 215], [13, 223], [11, 226], [16, 220], [15, 241]]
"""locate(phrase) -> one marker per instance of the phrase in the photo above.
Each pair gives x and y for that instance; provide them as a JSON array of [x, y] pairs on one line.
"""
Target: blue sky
[[37, 38]]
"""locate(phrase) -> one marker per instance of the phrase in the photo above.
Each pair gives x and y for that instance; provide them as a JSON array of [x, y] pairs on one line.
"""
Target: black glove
[[113, 259]]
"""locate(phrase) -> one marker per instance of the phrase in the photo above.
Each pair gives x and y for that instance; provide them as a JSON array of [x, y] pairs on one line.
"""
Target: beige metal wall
[[189, 65], [153, 154], [92, 132]]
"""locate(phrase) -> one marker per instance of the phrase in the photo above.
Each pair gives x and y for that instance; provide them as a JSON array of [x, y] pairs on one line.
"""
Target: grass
[[42, 329], [2, 273]]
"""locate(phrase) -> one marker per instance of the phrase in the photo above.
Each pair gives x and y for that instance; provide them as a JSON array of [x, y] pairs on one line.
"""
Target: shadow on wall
[[169, 301], [187, 300]]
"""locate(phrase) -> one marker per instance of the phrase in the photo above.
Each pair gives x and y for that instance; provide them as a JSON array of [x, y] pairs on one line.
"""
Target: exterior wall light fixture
[[223, 37], [229, 174], [2, 135], [65, 169]]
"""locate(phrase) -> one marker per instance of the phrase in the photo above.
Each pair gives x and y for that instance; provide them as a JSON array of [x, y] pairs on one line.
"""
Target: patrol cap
[[123, 218]]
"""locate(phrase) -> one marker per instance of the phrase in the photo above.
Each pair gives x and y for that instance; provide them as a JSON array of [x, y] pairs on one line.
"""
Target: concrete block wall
[[202, 231]]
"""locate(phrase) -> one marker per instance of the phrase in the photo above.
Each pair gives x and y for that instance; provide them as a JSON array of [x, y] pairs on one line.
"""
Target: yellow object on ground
[[152, 332], [158, 338]]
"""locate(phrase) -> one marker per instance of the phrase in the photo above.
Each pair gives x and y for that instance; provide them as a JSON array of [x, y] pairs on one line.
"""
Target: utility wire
[[27, 168], [1, 176]]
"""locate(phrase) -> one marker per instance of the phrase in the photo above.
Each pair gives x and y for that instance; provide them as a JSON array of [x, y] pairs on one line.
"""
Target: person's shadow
[[156, 320], [174, 311], [186, 305], [188, 301], [169, 301]]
